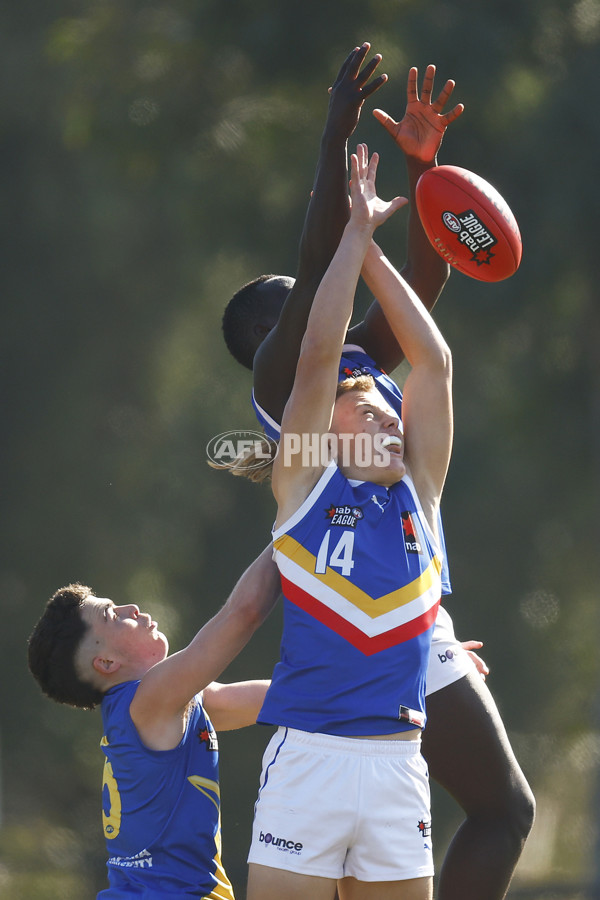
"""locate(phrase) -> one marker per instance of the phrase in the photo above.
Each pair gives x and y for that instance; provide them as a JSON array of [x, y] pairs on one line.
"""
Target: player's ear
[[105, 666]]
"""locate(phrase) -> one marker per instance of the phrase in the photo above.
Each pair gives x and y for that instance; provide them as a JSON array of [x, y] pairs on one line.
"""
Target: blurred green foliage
[[155, 156]]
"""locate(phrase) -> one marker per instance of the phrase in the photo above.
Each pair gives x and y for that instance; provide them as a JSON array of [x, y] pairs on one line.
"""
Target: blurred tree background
[[157, 155]]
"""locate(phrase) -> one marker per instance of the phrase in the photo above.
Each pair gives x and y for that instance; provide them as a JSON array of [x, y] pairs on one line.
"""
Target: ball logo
[[451, 221]]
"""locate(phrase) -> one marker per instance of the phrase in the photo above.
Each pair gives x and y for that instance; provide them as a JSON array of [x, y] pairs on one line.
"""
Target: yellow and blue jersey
[[161, 808]]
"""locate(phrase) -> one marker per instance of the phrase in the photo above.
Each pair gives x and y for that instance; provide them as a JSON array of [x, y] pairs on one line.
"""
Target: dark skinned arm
[[276, 358], [419, 135]]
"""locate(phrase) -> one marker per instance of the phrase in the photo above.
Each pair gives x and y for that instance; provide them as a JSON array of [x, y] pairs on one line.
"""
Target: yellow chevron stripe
[[201, 783], [371, 606]]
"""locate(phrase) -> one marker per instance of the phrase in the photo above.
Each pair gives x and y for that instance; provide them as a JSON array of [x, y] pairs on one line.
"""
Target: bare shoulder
[[157, 730]]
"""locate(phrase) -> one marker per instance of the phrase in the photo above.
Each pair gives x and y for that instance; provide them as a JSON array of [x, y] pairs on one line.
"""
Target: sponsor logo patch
[[411, 541], [471, 231], [424, 827], [281, 843], [209, 738], [346, 516]]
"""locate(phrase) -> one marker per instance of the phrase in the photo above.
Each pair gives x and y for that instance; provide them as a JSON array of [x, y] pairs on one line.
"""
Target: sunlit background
[[155, 156]]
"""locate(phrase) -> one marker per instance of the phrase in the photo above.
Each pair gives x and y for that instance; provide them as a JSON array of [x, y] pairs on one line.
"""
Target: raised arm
[[310, 407], [158, 707], [427, 397], [276, 358], [419, 135]]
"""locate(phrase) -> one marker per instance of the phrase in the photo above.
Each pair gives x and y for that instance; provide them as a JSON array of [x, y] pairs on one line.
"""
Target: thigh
[[467, 748], [266, 883], [306, 811], [392, 842], [410, 889]]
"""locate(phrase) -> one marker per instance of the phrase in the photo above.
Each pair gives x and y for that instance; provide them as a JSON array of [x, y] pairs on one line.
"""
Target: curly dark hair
[[53, 645]]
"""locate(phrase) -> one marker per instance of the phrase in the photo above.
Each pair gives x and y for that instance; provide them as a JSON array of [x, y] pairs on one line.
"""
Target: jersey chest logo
[[209, 738], [412, 543], [344, 515]]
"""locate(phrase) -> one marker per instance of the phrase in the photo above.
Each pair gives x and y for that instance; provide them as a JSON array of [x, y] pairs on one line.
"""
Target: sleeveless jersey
[[161, 809], [360, 575], [354, 362]]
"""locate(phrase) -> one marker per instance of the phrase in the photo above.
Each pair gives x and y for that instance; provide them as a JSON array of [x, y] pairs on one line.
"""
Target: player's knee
[[523, 809], [511, 809], [514, 815]]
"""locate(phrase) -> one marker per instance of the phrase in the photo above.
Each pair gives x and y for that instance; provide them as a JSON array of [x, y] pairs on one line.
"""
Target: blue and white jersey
[[360, 574], [161, 808], [353, 363]]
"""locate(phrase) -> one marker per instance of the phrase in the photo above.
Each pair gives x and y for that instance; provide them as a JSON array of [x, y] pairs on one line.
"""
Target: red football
[[467, 221]]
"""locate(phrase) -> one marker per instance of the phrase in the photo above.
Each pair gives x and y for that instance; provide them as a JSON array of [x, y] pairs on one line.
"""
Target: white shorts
[[448, 661], [334, 806]]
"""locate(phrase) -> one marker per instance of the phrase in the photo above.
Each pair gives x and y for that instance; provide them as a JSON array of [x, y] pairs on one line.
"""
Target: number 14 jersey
[[360, 573]]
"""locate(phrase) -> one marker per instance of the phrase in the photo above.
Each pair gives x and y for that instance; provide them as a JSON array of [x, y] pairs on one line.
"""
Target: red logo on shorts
[[424, 827]]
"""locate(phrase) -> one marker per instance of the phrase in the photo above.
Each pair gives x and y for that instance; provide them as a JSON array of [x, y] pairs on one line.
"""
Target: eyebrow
[[372, 406]]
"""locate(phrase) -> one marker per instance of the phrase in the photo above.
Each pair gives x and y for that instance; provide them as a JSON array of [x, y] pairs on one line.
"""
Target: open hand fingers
[[350, 59], [428, 84], [373, 163], [363, 76], [411, 85], [357, 58], [453, 114], [373, 86], [388, 123], [444, 95]]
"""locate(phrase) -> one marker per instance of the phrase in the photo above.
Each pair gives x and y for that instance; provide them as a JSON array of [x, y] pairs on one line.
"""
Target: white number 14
[[341, 557]]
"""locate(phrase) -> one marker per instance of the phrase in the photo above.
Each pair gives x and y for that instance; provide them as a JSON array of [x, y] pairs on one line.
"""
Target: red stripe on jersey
[[367, 645]]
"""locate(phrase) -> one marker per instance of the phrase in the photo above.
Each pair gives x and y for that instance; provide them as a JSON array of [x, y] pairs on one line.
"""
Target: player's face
[[366, 413], [122, 633]]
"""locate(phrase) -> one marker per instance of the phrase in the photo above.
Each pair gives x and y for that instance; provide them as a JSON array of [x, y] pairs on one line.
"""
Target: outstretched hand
[[480, 665], [351, 88], [419, 133], [367, 208]]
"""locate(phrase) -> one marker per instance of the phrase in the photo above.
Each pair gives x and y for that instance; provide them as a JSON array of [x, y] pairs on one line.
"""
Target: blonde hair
[[245, 463], [361, 383]]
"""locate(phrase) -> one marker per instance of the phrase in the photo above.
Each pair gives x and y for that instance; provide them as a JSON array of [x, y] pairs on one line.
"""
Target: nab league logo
[[473, 233], [209, 738], [411, 541], [356, 372], [344, 515]]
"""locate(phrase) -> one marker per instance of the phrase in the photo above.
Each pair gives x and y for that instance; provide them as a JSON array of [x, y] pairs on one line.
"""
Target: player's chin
[[392, 472]]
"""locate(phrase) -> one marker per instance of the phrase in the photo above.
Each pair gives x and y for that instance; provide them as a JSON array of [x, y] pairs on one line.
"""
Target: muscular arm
[[276, 359], [158, 707], [311, 403], [427, 403], [235, 705], [419, 135]]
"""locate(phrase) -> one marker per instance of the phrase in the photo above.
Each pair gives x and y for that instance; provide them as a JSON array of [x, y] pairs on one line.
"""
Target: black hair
[[53, 646], [239, 318]]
